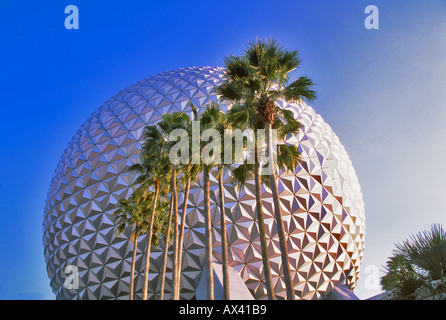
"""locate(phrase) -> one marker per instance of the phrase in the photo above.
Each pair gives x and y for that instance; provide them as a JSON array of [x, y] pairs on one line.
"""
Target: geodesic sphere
[[321, 201]]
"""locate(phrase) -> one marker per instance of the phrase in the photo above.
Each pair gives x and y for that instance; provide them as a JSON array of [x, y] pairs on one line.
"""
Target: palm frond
[[288, 157], [242, 174], [418, 263], [300, 89], [427, 251]]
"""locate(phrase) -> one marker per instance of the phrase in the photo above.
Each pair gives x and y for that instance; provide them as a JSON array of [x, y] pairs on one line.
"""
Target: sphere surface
[[321, 202]]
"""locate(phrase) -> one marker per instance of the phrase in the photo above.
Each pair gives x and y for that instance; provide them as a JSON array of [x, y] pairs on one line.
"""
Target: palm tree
[[129, 213], [257, 79], [210, 157], [240, 117], [153, 170], [288, 157], [218, 121], [168, 123], [189, 172], [222, 168], [417, 269]]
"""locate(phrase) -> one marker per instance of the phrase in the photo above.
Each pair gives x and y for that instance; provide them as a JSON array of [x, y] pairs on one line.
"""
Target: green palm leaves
[[261, 76], [417, 270]]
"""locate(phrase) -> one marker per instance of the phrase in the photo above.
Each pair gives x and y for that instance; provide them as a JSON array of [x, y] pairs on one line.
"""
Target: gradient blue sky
[[382, 91]]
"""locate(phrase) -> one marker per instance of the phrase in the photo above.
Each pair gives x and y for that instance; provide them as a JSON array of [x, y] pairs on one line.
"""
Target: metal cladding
[[321, 201]]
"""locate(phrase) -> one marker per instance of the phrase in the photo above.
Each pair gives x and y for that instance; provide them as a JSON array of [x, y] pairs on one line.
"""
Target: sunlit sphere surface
[[321, 201]]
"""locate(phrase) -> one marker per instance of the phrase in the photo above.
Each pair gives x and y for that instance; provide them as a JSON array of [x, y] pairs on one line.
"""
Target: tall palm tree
[[217, 119], [153, 170], [189, 174], [168, 123], [208, 235], [240, 117], [288, 156], [417, 269], [222, 169], [257, 79], [129, 213], [210, 156]]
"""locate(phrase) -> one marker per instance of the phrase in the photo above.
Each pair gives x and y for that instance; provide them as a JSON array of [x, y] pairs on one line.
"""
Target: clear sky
[[382, 91]]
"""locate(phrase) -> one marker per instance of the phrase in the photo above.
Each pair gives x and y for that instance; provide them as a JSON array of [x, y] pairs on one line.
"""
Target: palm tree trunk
[[132, 273], [149, 242], [175, 270], [166, 251], [262, 233], [224, 238], [181, 237], [208, 235], [278, 215]]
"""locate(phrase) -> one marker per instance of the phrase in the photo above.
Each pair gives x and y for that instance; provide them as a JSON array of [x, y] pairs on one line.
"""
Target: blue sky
[[382, 91]]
